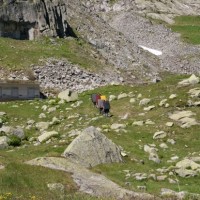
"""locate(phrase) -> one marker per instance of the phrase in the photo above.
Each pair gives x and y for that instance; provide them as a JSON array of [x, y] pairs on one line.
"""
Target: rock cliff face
[[32, 19]]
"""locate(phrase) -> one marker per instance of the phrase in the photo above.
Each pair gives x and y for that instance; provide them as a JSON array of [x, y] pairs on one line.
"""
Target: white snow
[[153, 51]]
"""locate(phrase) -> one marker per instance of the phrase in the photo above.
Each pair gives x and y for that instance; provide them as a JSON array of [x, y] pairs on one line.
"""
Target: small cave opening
[[18, 30], [69, 31], [63, 28]]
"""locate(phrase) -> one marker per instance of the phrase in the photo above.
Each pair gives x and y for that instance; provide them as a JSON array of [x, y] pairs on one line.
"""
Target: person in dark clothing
[[93, 98], [106, 108]]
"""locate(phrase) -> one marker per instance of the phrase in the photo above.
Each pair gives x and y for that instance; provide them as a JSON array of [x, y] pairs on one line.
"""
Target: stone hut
[[19, 89]]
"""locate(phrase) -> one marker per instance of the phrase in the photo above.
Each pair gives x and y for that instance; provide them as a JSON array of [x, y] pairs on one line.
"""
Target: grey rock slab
[[169, 124], [172, 96], [149, 122], [55, 121], [177, 115], [168, 192], [91, 148], [163, 102], [89, 182], [163, 146], [159, 135], [19, 132], [4, 142], [184, 118], [149, 108], [187, 122], [6, 129], [51, 109], [138, 123], [154, 157], [112, 97], [195, 92], [42, 125], [47, 135], [171, 141], [187, 163], [42, 115], [185, 173], [144, 101], [30, 122], [117, 126], [132, 100], [122, 96], [192, 80], [161, 178]]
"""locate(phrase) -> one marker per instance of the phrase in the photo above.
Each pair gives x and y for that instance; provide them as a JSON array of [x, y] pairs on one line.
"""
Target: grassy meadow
[[22, 181], [188, 27], [21, 54]]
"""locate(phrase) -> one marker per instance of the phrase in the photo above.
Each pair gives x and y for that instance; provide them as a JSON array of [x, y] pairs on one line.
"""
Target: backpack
[[100, 103], [98, 96], [106, 105]]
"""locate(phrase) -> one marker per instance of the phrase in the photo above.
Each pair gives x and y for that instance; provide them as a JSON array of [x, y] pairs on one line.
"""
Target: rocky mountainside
[[147, 149], [119, 30]]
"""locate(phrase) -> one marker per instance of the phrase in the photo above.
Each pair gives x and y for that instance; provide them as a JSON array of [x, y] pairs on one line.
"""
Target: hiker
[[103, 97], [100, 105], [106, 108], [98, 96], [93, 98]]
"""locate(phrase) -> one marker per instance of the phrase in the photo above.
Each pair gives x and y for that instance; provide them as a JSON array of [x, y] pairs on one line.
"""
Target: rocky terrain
[[62, 75], [148, 148], [120, 31], [152, 135]]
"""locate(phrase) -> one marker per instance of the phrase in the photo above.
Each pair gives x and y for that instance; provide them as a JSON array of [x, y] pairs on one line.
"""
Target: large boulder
[[195, 92], [6, 129], [187, 168], [184, 118], [91, 148], [19, 132], [68, 95], [190, 81]]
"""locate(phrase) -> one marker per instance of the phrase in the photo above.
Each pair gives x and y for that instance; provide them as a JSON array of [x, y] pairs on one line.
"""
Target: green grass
[[17, 54], [17, 176], [188, 27]]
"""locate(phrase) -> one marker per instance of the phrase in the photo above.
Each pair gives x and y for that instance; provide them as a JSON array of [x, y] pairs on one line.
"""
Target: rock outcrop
[[62, 75], [33, 19], [91, 148], [117, 30], [89, 182]]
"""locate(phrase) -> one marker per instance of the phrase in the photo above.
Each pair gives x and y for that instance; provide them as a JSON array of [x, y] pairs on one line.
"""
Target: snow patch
[[153, 51]]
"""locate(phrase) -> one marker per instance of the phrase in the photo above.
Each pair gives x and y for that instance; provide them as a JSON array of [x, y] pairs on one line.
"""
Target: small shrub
[[14, 141]]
